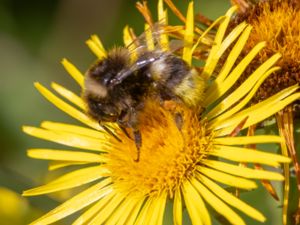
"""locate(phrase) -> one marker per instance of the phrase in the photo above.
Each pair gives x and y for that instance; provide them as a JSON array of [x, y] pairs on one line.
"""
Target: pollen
[[277, 23], [169, 152]]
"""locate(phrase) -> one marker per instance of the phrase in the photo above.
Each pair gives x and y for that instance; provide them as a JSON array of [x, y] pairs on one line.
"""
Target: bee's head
[[99, 95], [102, 111], [106, 69]]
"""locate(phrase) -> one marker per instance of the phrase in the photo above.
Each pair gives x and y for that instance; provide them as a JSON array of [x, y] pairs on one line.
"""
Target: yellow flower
[[178, 165], [15, 209], [277, 23]]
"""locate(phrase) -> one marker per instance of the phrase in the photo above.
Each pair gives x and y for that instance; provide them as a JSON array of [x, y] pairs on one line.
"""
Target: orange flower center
[[169, 154]]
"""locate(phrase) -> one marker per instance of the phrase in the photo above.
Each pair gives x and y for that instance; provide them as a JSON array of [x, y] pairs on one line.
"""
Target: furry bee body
[[116, 87]]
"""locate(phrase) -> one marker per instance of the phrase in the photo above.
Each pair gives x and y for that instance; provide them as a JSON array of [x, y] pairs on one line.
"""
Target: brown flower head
[[277, 23]]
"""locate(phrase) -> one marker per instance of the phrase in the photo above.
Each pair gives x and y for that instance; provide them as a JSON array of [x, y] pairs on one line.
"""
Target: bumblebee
[[116, 87]]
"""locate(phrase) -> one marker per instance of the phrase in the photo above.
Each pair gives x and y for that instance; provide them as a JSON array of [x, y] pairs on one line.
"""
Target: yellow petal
[[212, 59], [217, 204], [67, 139], [96, 47], [70, 128], [107, 210], [74, 72], [149, 38], [98, 42], [127, 38], [128, 41], [123, 211], [72, 97], [131, 204], [161, 208], [226, 81], [164, 38], [76, 203], [92, 211], [271, 100], [133, 216], [243, 171], [145, 211], [68, 109], [227, 179], [177, 208], [230, 61], [229, 39], [201, 38], [158, 206], [69, 180], [244, 88], [160, 10], [54, 165], [162, 15], [257, 115], [195, 205], [237, 107], [65, 155], [231, 199], [189, 34], [258, 139], [223, 27], [240, 154]]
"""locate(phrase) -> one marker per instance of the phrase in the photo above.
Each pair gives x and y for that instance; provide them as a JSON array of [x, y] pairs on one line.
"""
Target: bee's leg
[[171, 106], [123, 123], [110, 132], [138, 143], [178, 120], [133, 122]]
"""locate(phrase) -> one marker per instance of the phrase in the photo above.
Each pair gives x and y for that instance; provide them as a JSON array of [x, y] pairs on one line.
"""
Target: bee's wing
[[140, 44], [140, 63], [140, 47]]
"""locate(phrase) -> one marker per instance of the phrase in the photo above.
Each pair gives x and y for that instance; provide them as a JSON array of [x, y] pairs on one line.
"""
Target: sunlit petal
[[68, 139], [177, 208], [240, 154], [243, 171], [64, 155], [76, 203], [73, 72], [226, 178], [195, 205], [93, 210], [69, 95], [217, 204], [70, 180]]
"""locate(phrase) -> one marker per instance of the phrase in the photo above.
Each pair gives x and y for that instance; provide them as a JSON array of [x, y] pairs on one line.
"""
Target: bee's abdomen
[[191, 89], [173, 74]]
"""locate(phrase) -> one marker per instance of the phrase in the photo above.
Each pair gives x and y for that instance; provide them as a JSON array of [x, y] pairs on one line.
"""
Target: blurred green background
[[34, 37]]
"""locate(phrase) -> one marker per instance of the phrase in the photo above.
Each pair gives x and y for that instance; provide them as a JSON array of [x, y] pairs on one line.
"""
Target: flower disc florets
[[169, 154], [277, 23]]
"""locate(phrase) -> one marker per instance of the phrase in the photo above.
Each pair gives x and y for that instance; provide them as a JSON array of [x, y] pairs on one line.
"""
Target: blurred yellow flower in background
[[190, 166], [14, 209]]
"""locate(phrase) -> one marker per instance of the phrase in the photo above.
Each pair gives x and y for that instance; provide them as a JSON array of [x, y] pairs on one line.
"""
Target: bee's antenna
[[110, 132]]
